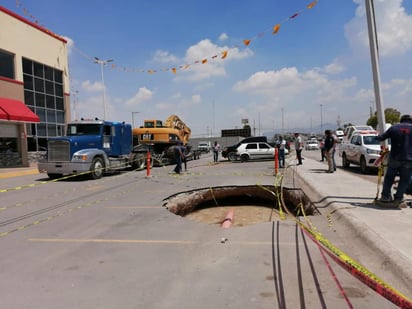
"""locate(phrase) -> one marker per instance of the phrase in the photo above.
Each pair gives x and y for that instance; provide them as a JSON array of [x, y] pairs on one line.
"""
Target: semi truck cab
[[89, 146]]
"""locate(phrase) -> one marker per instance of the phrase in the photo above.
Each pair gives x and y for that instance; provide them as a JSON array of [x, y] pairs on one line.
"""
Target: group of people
[[180, 157], [399, 161]]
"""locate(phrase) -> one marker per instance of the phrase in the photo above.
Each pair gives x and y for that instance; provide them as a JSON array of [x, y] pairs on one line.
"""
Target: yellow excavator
[[160, 138]]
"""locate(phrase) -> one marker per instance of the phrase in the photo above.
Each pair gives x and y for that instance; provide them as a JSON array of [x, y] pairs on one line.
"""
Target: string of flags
[[221, 55]]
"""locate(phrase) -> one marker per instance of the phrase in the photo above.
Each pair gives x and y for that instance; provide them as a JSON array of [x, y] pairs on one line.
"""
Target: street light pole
[[102, 63], [133, 113], [76, 93]]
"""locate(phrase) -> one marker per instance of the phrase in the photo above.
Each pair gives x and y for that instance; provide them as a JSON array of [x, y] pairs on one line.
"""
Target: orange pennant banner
[[312, 4], [223, 54], [246, 42]]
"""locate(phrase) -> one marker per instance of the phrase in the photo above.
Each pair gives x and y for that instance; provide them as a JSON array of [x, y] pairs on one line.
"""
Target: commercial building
[[34, 87]]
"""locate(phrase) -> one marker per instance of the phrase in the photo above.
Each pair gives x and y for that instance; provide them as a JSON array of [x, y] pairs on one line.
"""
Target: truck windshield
[[83, 129], [372, 140]]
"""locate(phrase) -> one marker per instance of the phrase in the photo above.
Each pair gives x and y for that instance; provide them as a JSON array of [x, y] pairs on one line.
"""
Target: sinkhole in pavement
[[250, 204]]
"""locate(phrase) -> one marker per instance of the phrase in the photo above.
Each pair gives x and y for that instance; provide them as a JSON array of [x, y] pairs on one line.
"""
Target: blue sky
[[321, 57]]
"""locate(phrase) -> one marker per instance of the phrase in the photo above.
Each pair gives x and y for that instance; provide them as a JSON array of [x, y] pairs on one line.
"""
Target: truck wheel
[[54, 176], [363, 166], [345, 162], [244, 158], [139, 161], [97, 168], [231, 156]]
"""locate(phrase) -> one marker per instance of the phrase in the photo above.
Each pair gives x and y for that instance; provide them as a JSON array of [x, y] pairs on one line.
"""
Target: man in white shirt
[[298, 148]]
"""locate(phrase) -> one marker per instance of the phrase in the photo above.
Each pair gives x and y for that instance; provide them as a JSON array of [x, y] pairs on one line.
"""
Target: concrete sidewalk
[[346, 199], [8, 172]]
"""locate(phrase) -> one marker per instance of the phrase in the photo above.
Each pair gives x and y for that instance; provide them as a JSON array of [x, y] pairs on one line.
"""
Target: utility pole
[[133, 113], [76, 93], [373, 45], [103, 63]]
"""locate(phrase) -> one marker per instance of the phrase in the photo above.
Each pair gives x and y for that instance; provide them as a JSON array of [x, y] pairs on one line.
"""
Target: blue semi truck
[[92, 147]]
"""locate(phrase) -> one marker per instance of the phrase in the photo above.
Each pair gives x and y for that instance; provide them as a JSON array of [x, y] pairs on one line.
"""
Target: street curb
[[391, 259], [388, 256], [18, 173]]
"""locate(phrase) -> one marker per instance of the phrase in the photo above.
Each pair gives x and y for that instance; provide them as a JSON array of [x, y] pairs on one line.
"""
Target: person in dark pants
[[178, 158], [329, 150], [298, 148], [400, 161], [281, 144], [322, 151], [184, 159], [216, 149]]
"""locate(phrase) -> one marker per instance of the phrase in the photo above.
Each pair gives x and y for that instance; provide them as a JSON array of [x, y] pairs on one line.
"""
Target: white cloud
[[300, 92], [162, 56], [91, 87], [223, 37], [70, 44], [90, 108], [142, 95], [334, 68], [164, 106], [392, 23], [215, 65], [289, 82], [185, 103], [196, 98]]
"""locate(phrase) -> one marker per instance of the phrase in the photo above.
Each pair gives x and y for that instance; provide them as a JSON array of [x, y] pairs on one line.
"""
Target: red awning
[[15, 110]]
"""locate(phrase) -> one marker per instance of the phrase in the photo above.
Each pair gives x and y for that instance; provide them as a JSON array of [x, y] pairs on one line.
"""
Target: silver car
[[255, 151], [312, 145]]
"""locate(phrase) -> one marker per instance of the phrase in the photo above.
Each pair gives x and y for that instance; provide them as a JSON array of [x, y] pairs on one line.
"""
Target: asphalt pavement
[[346, 200]]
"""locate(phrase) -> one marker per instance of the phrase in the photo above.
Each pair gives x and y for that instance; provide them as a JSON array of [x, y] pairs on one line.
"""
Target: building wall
[[25, 39], [11, 89]]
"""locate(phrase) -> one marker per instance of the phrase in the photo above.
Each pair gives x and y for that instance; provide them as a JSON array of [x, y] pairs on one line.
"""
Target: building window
[[6, 64], [43, 92]]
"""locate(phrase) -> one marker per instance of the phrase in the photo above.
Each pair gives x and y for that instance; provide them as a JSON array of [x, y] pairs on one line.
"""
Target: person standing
[[298, 148], [335, 142], [281, 145], [178, 157], [322, 150], [183, 149], [216, 149], [400, 161], [329, 149]]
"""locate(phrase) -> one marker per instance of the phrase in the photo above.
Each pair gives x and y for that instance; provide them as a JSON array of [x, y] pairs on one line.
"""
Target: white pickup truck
[[362, 149]]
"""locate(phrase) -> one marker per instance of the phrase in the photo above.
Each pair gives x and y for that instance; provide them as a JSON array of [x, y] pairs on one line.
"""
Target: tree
[[391, 116]]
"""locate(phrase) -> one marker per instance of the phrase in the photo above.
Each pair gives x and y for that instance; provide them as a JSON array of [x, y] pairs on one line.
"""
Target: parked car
[[204, 147], [363, 149], [340, 134], [312, 145], [255, 151], [349, 130], [229, 152]]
